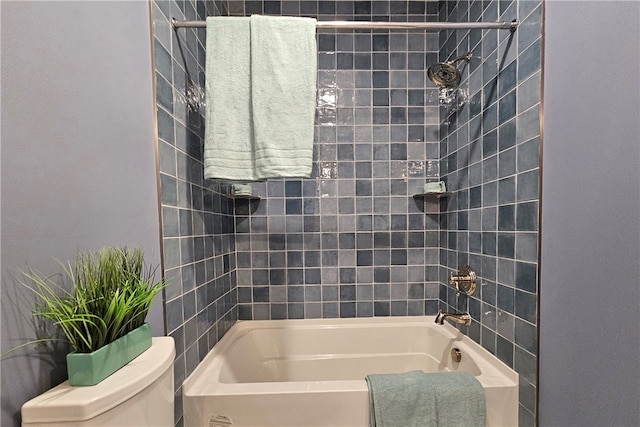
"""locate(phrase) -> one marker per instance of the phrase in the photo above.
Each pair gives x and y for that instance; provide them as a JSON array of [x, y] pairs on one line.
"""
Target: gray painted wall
[[78, 157], [589, 291]]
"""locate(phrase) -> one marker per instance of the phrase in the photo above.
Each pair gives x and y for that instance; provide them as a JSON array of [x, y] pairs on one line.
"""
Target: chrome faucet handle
[[464, 281], [453, 280]]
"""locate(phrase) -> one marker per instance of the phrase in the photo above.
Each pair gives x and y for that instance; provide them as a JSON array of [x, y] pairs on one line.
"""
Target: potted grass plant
[[103, 314]]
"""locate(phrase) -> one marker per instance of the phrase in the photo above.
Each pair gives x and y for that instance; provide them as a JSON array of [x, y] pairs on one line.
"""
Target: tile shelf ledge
[[243, 196], [438, 195]]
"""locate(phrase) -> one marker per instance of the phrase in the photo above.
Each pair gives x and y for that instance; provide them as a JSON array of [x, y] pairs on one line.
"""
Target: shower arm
[[466, 57]]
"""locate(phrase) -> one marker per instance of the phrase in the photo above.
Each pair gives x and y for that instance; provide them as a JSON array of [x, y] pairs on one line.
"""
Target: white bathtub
[[311, 372]]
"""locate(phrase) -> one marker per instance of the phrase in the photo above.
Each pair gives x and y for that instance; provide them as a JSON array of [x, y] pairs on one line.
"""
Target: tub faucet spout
[[463, 319]]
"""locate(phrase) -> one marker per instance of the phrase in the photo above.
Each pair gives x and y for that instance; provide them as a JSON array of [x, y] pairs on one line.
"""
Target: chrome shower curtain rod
[[367, 25]]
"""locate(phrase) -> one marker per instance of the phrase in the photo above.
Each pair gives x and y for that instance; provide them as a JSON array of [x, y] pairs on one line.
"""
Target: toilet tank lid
[[65, 403]]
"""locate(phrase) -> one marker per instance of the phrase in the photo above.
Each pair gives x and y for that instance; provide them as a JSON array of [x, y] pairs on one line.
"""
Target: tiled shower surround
[[489, 154], [352, 240], [197, 217]]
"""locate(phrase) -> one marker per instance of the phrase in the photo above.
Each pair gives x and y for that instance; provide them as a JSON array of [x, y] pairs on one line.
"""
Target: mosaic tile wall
[[490, 160], [351, 240], [197, 217]]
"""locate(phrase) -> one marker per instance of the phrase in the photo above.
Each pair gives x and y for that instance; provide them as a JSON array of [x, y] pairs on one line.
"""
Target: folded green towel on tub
[[446, 399]]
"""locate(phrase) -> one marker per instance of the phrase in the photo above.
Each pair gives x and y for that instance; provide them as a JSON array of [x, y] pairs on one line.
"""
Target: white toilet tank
[[138, 395]]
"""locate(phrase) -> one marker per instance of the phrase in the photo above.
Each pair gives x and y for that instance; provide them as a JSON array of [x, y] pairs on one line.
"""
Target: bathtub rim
[[191, 387]]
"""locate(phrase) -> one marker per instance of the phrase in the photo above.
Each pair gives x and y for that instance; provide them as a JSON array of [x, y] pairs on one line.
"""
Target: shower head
[[446, 74]]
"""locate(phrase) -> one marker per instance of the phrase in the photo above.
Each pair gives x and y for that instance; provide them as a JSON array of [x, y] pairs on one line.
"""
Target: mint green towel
[[228, 148], [261, 90], [283, 78], [446, 399]]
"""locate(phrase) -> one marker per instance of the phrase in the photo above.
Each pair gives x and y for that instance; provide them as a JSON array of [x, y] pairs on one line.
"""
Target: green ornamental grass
[[111, 296]]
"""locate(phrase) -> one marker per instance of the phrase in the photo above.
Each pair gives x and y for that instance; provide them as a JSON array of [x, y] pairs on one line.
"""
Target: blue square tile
[[382, 240], [260, 294], [399, 151], [490, 193], [277, 241], [380, 61], [527, 247], [295, 276], [347, 309], [329, 258], [398, 7], [527, 216], [506, 217], [260, 277], [381, 308], [312, 276], [399, 240], [295, 259], [416, 61], [525, 306], [327, 7], [311, 223], [330, 310], [348, 275], [380, 79], [312, 293], [526, 276], [398, 115], [293, 188], [364, 309], [380, 42], [398, 257], [295, 311], [362, 61], [506, 245], [488, 339], [245, 312], [416, 291], [277, 259], [504, 350], [507, 190], [475, 197], [326, 42], [507, 135], [308, 8], [381, 274], [528, 155], [507, 78], [362, 7], [526, 337], [506, 298], [347, 292], [475, 242], [344, 61], [398, 308], [417, 7], [528, 184], [525, 364], [364, 257], [529, 60], [398, 97], [507, 163], [381, 97]]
